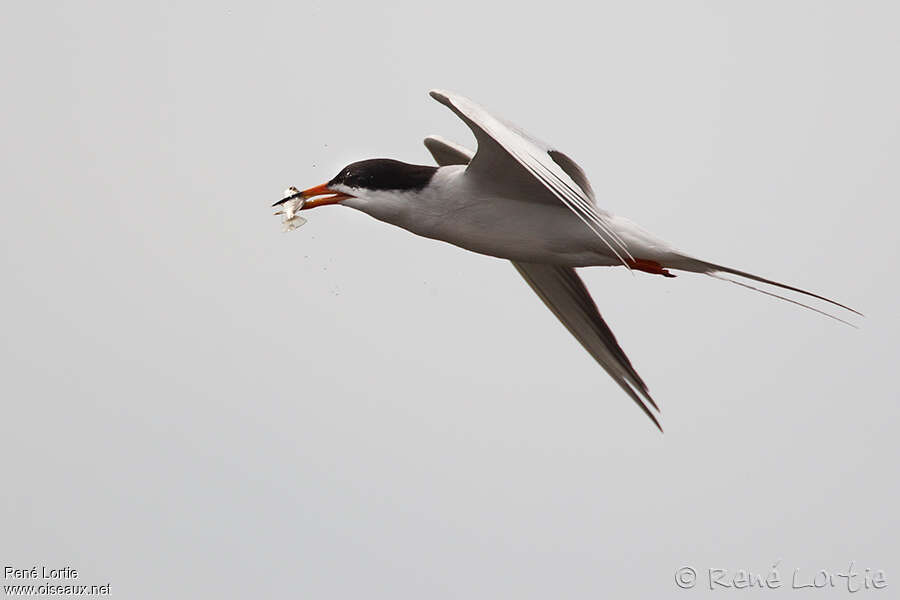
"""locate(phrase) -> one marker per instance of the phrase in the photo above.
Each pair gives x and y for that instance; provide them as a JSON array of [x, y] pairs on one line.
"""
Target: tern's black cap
[[384, 174]]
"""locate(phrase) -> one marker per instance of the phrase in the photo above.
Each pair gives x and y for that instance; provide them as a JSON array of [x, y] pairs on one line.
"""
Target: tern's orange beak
[[319, 195]]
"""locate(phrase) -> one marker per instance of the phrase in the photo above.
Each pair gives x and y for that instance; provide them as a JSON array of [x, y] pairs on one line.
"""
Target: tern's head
[[367, 178]]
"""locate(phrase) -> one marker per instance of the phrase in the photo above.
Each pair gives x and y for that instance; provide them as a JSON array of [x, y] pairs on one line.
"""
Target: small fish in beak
[[288, 206]]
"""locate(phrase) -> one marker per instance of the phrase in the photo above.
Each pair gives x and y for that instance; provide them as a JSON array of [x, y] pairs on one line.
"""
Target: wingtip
[[655, 421], [646, 396], [437, 141], [443, 96], [646, 410]]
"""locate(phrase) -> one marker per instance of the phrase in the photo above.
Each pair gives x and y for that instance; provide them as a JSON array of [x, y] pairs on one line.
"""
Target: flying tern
[[519, 199]]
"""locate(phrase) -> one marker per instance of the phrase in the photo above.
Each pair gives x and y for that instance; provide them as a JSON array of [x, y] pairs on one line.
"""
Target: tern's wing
[[564, 293], [446, 152], [508, 156]]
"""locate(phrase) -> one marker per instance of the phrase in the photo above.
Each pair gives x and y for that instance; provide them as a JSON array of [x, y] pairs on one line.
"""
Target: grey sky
[[196, 405]]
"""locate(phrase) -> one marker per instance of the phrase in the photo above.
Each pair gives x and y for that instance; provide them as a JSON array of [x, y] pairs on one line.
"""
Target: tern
[[517, 198]]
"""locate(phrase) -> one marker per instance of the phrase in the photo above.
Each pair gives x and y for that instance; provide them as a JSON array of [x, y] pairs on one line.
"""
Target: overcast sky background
[[197, 405]]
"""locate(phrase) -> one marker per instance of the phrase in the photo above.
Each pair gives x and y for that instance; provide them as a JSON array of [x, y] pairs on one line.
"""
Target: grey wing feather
[[446, 152], [564, 293], [505, 151], [574, 171]]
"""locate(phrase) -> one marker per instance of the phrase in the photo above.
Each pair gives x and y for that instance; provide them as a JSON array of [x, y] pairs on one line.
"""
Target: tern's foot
[[650, 266]]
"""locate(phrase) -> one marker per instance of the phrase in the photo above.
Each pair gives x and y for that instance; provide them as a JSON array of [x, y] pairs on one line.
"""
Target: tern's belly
[[515, 230]]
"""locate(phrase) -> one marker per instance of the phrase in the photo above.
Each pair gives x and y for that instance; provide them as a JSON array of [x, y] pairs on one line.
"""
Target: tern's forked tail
[[693, 265]]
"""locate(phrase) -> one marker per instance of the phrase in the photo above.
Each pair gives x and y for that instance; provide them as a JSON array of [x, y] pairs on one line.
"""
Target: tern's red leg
[[650, 266]]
